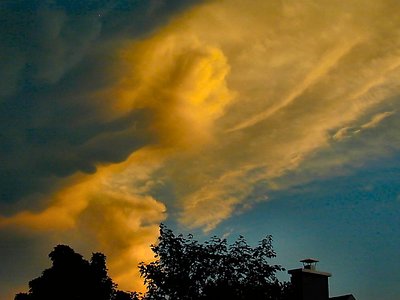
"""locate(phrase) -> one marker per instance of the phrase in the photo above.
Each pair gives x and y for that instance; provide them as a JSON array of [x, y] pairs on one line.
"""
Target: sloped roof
[[344, 297]]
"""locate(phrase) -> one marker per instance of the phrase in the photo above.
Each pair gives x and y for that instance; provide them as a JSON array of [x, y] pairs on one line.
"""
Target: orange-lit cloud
[[235, 95], [110, 216], [181, 80], [302, 72], [182, 85], [122, 225]]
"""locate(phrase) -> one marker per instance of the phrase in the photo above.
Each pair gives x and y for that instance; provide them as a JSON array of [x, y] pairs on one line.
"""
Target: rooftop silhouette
[[310, 284]]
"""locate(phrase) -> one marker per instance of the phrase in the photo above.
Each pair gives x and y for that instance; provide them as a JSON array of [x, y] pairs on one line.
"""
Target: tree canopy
[[183, 269], [71, 277], [187, 269]]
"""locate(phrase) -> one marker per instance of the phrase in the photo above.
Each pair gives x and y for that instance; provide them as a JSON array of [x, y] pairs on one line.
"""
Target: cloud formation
[[57, 55], [61, 141], [106, 128], [347, 132], [303, 72]]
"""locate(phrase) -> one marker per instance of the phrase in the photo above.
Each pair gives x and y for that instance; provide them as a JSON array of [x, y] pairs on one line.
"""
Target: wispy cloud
[[293, 86], [376, 119], [328, 61], [185, 118], [347, 132]]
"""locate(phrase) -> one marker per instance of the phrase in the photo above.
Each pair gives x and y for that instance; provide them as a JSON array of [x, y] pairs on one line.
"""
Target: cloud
[[125, 120], [302, 73], [214, 202], [46, 42], [377, 119], [104, 213], [328, 61], [156, 110], [180, 80], [359, 148], [347, 132], [124, 226], [48, 39], [55, 57], [341, 134], [58, 137], [184, 100]]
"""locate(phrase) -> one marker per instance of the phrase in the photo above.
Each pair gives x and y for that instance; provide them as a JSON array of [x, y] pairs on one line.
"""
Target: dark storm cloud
[[53, 56]]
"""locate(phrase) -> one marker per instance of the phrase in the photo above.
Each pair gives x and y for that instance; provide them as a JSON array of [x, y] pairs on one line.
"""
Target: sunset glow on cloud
[[115, 118]]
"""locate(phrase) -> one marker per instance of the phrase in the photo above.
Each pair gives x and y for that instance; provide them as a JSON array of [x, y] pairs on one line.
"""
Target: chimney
[[308, 283]]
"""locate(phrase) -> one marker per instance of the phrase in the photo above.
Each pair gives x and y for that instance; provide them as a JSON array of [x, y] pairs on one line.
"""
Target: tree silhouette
[[184, 269], [71, 277], [187, 269]]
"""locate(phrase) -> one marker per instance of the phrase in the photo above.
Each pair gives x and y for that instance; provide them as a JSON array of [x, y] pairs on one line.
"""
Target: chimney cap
[[310, 263], [309, 260], [309, 267]]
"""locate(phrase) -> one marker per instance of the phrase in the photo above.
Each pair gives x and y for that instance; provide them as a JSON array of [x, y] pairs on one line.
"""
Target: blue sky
[[350, 228], [215, 117]]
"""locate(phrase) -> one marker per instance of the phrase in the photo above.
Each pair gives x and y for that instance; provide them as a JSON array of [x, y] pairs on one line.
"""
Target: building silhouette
[[311, 284]]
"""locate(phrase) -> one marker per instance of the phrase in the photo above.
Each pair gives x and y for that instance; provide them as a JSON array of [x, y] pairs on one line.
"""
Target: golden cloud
[[123, 226], [182, 83], [181, 80], [107, 214], [298, 71], [238, 94]]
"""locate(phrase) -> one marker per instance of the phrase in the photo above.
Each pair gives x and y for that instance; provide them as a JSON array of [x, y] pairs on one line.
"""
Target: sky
[[221, 117]]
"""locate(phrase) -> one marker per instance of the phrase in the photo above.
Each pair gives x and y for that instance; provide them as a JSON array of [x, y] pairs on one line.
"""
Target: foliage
[[187, 269], [71, 277], [184, 269]]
